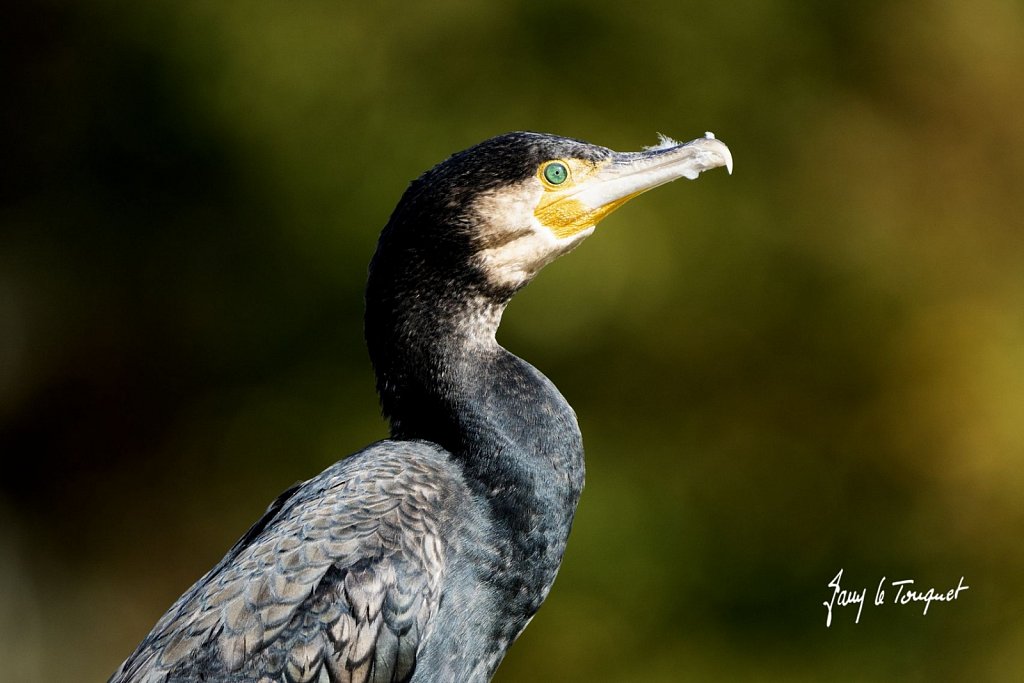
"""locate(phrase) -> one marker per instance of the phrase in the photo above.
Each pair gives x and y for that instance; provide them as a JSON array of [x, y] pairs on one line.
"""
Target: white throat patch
[[512, 244]]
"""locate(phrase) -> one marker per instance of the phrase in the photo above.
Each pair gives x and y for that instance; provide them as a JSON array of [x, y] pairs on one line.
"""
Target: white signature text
[[906, 592]]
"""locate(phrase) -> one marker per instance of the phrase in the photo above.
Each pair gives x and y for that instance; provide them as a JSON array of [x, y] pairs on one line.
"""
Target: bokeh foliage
[[815, 364]]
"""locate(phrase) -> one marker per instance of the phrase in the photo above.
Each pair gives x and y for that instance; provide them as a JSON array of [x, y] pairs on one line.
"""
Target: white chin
[[516, 262]]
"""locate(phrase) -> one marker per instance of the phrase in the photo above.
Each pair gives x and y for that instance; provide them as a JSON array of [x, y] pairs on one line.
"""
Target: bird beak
[[626, 175]]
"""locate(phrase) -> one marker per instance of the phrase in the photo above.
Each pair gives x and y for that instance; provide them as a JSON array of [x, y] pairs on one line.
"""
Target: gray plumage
[[340, 581]]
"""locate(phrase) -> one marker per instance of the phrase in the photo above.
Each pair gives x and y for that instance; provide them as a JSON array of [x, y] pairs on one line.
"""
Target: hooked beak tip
[[714, 146]]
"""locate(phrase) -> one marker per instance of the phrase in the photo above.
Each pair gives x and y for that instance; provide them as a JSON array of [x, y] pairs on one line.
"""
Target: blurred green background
[[815, 364]]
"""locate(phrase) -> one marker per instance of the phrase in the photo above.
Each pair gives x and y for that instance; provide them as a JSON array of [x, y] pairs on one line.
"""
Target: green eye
[[556, 173]]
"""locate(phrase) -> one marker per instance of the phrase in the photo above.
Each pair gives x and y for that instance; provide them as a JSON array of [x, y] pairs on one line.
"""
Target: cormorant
[[424, 556]]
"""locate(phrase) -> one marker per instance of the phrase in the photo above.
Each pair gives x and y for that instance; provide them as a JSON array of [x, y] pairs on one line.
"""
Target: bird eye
[[556, 173]]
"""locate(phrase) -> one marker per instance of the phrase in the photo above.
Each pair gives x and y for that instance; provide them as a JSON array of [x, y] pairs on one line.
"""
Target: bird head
[[512, 204], [487, 219]]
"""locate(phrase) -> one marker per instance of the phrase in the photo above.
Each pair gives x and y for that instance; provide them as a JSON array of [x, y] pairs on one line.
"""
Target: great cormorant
[[423, 556]]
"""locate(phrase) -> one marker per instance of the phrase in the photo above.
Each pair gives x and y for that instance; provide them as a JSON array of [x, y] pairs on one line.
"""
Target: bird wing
[[337, 581]]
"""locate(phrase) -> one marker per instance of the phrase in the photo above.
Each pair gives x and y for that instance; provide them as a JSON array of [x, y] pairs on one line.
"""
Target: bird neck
[[443, 377], [427, 346]]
